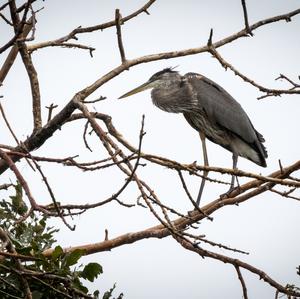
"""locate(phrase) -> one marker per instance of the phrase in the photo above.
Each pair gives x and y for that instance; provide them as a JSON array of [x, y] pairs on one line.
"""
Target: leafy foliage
[[59, 276]]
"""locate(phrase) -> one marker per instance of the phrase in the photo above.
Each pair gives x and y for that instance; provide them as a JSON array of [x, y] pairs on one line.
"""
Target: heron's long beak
[[136, 90]]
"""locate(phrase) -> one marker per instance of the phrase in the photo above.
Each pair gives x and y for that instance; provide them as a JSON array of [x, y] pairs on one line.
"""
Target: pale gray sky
[[266, 226]]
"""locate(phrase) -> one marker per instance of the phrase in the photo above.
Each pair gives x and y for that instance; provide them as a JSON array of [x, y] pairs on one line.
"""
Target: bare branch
[[32, 74], [5, 186], [32, 48], [240, 276], [190, 197], [7, 21], [80, 30], [50, 108], [51, 193], [246, 18], [84, 136], [118, 17], [101, 98], [22, 181], [12, 132], [24, 6], [286, 193], [295, 85], [202, 239], [8, 125], [4, 5], [237, 263], [268, 91]]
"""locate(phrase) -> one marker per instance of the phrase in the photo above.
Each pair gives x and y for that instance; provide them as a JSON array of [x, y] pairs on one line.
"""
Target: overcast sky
[[266, 226]]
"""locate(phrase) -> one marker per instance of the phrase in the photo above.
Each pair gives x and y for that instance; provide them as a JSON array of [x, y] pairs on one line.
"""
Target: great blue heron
[[210, 110]]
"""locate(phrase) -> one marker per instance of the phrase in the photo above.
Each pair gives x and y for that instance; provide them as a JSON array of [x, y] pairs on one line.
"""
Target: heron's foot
[[228, 193]]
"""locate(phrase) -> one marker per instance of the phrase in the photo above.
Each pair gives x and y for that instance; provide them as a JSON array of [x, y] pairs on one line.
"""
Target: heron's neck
[[172, 98]]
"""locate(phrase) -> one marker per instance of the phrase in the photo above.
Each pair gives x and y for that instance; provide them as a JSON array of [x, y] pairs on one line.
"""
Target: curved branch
[[268, 91], [80, 30], [239, 264]]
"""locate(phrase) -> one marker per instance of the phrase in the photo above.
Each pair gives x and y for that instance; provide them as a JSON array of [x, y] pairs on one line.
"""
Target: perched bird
[[210, 110]]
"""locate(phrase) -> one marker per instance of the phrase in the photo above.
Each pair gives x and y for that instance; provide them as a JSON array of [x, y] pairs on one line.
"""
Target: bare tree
[[121, 155]]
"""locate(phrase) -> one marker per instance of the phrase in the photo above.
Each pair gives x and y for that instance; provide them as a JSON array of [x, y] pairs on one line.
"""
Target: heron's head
[[159, 79]]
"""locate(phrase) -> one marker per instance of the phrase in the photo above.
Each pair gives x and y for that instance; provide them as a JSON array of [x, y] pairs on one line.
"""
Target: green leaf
[[18, 204], [58, 251], [91, 271], [73, 257]]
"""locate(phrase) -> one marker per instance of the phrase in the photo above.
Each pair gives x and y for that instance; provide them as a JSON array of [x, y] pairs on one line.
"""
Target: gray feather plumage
[[212, 111]]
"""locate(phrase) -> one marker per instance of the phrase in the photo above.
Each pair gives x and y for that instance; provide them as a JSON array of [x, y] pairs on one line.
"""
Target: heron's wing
[[221, 108]]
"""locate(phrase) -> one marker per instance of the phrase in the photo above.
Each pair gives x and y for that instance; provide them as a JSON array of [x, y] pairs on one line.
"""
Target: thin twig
[[202, 239], [5, 186], [84, 136], [32, 48], [50, 110], [8, 125], [269, 92], [190, 197], [294, 84], [240, 276], [101, 98], [81, 30], [237, 263], [286, 193], [6, 20], [119, 35], [22, 181], [247, 27], [54, 201], [12, 132]]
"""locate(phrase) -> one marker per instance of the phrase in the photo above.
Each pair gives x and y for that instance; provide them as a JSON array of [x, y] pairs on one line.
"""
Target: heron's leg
[[233, 177], [205, 173]]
